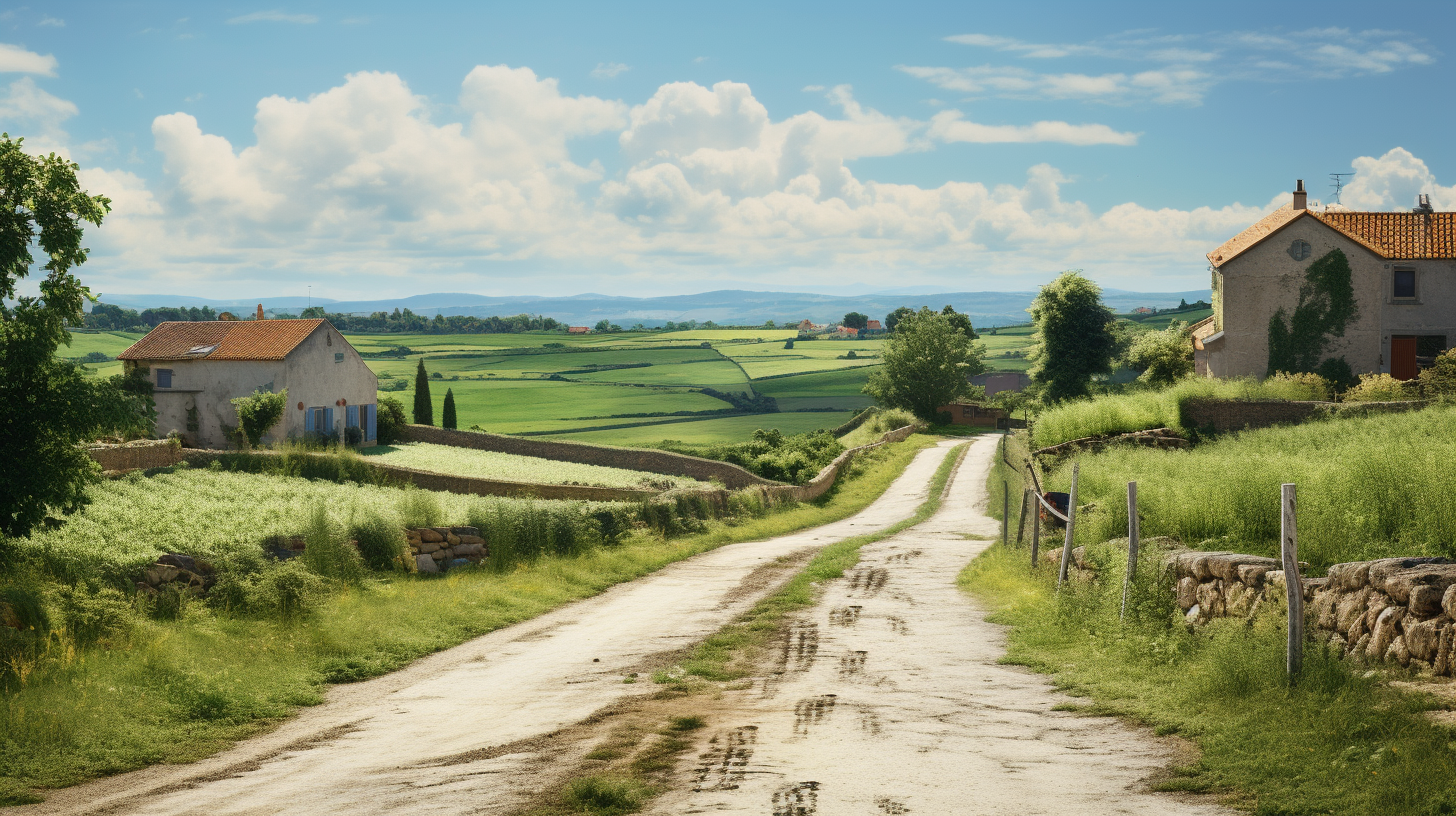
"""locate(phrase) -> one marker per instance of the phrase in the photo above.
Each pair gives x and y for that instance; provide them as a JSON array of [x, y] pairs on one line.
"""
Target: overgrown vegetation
[[1369, 487], [259, 412], [1298, 341], [1338, 741], [794, 459]]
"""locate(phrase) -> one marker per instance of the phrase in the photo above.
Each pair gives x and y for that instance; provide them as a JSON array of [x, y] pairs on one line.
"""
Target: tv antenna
[[1339, 183]]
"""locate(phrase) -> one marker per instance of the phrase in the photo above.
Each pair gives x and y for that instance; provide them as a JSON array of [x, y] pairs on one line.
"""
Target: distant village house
[[1403, 271], [196, 370], [578, 330]]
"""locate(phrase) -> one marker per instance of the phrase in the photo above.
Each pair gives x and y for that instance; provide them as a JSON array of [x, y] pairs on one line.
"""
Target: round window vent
[[1299, 250]]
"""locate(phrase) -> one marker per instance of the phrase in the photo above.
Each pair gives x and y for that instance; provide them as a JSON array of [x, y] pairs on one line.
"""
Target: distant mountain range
[[727, 306]]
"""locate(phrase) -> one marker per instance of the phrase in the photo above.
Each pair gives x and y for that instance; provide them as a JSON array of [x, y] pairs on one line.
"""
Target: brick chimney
[[1300, 196], [260, 312]]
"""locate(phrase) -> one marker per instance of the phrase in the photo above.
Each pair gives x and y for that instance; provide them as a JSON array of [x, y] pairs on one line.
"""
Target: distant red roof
[[222, 340], [577, 330], [874, 325]]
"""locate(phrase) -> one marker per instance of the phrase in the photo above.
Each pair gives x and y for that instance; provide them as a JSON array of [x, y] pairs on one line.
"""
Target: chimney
[[1299, 195], [1423, 204], [260, 312]]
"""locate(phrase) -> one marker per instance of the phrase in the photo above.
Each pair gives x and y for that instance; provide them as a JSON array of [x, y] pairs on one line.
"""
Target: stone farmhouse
[[1402, 270], [198, 368]]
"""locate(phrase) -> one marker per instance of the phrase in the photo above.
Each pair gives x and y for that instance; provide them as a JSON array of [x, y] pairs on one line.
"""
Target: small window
[[1405, 283], [338, 356], [1299, 250], [164, 378]]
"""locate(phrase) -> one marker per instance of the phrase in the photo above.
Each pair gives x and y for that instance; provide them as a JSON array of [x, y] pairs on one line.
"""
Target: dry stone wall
[[1391, 610], [1223, 415], [435, 549], [141, 454]]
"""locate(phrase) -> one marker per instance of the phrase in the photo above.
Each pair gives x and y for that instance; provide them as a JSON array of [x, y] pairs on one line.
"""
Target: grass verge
[[175, 691], [632, 763], [1338, 741]]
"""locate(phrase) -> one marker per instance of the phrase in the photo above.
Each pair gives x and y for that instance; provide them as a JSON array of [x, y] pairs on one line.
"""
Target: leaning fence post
[[1293, 585], [1071, 527], [1132, 545], [1035, 530], [1021, 516], [1005, 510]]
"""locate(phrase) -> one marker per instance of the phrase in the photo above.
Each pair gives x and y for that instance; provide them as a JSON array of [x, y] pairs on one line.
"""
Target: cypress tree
[[447, 414], [424, 407]]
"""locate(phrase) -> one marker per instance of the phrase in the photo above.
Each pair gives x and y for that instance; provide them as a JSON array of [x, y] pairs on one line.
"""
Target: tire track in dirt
[[482, 727], [924, 720]]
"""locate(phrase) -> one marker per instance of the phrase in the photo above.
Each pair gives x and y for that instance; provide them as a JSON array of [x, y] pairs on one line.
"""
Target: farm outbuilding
[[197, 369]]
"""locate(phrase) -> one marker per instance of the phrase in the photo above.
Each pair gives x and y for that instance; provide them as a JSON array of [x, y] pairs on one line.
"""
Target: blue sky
[[389, 149]]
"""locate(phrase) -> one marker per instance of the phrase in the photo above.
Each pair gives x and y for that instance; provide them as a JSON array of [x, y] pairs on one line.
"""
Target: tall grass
[[1142, 410], [1368, 487], [1338, 741]]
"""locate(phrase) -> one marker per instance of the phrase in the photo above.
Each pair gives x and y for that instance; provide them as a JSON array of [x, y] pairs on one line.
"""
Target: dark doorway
[[1403, 357]]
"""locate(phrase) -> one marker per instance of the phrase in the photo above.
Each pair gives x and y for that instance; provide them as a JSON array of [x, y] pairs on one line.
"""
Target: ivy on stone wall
[[1297, 341]]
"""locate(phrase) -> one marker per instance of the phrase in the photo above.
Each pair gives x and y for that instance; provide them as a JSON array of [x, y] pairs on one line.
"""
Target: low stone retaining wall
[[1223, 415], [1166, 438], [1391, 610], [826, 477], [143, 453], [650, 461], [438, 548]]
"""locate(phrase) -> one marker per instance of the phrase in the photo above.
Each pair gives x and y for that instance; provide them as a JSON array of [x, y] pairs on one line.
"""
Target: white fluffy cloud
[[1392, 182], [17, 60]]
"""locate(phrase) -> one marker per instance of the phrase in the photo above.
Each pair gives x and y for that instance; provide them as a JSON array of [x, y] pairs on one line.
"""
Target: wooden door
[[1403, 358]]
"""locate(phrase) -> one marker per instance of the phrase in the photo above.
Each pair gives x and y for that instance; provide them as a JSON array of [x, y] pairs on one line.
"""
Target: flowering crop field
[[510, 467], [214, 514]]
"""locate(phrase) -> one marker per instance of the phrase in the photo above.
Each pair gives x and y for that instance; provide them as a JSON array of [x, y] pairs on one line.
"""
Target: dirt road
[[459, 731], [887, 699]]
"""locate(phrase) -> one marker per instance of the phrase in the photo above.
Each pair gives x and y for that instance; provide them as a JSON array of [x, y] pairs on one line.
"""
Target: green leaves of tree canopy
[[258, 412], [389, 420], [960, 321], [855, 320], [1164, 356], [46, 406], [927, 363], [1326, 305], [1075, 339], [424, 407]]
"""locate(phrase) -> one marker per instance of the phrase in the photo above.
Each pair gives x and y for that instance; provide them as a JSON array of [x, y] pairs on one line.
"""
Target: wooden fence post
[[1021, 516], [1293, 585], [1005, 510], [1132, 546], [1035, 531], [1071, 527]]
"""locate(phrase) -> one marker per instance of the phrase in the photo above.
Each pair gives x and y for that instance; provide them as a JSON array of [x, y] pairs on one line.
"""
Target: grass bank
[[1338, 741], [176, 690]]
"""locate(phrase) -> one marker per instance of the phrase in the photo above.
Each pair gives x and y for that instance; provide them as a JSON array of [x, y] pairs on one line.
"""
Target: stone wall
[[650, 461], [1392, 610], [826, 477], [143, 453], [435, 549], [1223, 415]]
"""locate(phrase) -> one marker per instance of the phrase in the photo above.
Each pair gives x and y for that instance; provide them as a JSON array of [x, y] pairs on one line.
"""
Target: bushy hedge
[[793, 459]]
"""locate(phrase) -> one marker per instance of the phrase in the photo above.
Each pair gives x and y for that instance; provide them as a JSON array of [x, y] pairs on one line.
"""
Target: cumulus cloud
[[607, 70], [26, 108], [273, 16], [1392, 182], [949, 126], [52, 22], [17, 60], [1186, 66]]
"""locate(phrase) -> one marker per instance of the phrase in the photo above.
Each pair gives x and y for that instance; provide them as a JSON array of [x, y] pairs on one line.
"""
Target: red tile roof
[[1395, 235], [222, 340]]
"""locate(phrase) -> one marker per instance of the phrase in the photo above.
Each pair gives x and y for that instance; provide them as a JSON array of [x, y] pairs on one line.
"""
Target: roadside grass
[[177, 690], [1338, 741], [1369, 487]]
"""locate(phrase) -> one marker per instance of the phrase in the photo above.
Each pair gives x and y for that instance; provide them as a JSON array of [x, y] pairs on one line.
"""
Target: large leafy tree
[[1075, 337], [424, 406], [927, 364], [46, 405], [960, 321], [855, 320], [893, 318]]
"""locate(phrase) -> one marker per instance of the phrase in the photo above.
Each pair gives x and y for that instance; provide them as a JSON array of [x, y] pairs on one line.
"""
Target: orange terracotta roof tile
[[1261, 229], [222, 340], [1406, 236]]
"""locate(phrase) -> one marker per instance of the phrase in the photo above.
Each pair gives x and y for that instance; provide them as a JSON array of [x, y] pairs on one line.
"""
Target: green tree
[[603, 325], [960, 321], [1164, 357], [258, 412], [855, 320], [927, 364], [1075, 337], [447, 413], [46, 405], [424, 407], [389, 420], [893, 318]]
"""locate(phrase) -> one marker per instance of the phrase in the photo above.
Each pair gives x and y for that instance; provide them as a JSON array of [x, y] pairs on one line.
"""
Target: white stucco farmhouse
[[198, 368]]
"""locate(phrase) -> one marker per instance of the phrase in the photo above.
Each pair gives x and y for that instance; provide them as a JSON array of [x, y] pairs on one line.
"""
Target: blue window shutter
[[351, 416], [372, 433], [328, 421], [308, 421]]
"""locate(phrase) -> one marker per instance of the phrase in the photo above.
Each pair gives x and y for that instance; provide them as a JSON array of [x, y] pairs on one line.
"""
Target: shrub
[[90, 616], [286, 589], [1379, 388], [1438, 380], [794, 459], [259, 412], [382, 543], [326, 552], [1164, 357], [389, 420]]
